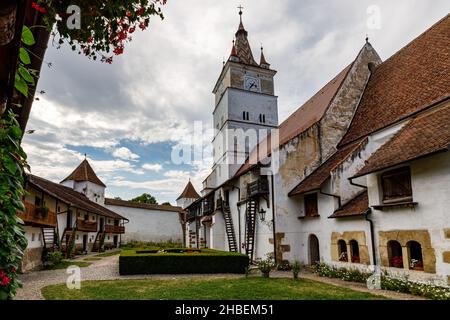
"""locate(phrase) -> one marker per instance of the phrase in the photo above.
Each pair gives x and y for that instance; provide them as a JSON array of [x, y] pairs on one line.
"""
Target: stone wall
[[347, 236], [32, 259], [403, 237]]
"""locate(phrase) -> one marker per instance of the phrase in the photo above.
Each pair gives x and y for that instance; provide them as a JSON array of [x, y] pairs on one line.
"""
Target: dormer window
[[396, 185], [311, 206]]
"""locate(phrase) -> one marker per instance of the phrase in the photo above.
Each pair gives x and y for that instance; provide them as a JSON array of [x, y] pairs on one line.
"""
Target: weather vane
[[240, 9]]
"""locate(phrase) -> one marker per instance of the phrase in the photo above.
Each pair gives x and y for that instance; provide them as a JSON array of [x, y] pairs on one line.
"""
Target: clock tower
[[246, 108]]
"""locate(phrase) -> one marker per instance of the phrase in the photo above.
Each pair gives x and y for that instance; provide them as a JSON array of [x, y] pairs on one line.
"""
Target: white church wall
[[430, 179], [150, 225]]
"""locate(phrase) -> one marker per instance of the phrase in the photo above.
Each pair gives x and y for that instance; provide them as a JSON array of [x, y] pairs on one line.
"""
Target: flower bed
[[403, 285], [181, 261]]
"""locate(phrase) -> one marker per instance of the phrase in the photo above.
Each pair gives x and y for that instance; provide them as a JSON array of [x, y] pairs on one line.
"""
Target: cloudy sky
[[129, 116]]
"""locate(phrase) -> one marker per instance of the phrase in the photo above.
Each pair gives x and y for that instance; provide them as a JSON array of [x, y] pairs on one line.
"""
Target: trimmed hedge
[[181, 261]]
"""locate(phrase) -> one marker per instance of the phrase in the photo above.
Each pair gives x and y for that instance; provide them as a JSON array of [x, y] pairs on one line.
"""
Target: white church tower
[[84, 180], [245, 108]]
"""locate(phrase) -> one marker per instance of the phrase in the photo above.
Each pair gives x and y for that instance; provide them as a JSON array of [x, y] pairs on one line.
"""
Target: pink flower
[[5, 281]]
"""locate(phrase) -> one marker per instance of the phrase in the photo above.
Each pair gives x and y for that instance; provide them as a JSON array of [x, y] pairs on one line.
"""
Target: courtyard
[[101, 280]]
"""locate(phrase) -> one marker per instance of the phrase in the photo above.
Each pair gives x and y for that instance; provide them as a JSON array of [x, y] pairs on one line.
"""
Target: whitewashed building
[[359, 176]]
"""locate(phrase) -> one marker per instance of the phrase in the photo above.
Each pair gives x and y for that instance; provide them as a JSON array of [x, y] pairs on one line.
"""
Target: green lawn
[[92, 259], [65, 264], [252, 288], [108, 254]]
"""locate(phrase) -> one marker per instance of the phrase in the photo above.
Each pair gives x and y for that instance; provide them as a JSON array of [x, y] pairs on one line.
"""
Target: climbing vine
[[99, 29], [12, 235]]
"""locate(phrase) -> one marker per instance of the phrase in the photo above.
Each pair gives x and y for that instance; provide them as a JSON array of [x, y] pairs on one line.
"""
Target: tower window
[[262, 118], [245, 115]]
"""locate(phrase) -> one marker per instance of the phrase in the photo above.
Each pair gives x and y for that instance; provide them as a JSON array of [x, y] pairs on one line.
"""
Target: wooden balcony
[[258, 187], [35, 216], [114, 229], [87, 226], [208, 207]]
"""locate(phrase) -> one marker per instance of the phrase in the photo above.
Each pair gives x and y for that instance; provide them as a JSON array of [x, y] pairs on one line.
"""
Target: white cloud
[[124, 153], [152, 167]]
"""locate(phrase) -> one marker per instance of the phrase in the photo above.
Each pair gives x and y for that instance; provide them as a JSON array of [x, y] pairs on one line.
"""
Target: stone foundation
[[32, 259], [403, 237], [281, 248], [347, 236]]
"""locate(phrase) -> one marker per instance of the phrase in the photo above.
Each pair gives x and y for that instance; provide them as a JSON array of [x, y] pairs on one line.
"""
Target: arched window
[[395, 254], [354, 251], [342, 249], [415, 255]]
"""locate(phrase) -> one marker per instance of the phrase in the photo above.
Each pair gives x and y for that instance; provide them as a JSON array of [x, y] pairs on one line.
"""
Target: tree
[[145, 198], [97, 28], [166, 204]]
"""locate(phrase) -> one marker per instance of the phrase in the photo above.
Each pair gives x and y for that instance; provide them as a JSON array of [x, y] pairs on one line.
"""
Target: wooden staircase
[[99, 241], [70, 243], [250, 226], [232, 244], [50, 238]]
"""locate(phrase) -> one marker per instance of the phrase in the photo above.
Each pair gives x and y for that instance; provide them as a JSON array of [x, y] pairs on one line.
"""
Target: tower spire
[[243, 50], [262, 61]]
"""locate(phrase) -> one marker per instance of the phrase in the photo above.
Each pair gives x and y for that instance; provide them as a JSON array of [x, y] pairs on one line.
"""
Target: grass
[[206, 289], [92, 259], [108, 254], [65, 264]]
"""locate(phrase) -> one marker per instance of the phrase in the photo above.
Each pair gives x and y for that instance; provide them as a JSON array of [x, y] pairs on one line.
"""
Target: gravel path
[[108, 269]]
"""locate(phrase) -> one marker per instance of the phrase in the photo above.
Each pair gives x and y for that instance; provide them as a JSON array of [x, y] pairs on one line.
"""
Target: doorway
[[116, 241], [102, 223], [85, 241], [314, 251]]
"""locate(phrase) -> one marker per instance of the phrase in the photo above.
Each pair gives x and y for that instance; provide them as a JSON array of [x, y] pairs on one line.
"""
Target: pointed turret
[[233, 55], [188, 195], [262, 62], [84, 180]]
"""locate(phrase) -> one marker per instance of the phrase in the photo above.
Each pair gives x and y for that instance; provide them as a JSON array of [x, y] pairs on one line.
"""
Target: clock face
[[251, 83]]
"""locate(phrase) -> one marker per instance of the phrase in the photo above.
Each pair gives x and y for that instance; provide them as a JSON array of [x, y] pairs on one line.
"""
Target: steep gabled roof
[[70, 196], [315, 180], [414, 78], [357, 206], [304, 117], [147, 206], [244, 52], [84, 172], [425, 135], [189, 192]]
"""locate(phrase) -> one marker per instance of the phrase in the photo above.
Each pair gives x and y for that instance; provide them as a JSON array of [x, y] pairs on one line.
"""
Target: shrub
[[296, 267], [181, 261], [265, 265], [152, 245], [403, 285], [52, 258], [284, 266]]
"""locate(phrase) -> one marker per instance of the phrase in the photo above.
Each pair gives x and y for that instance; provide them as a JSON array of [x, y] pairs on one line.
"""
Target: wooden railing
[[208, 207], [35, 215], [114, 229], [89, 226], [258, 187]]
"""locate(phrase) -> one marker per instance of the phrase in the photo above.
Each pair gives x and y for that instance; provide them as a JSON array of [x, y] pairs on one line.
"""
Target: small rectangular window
[[396, 185], [32, 236], [37, 201], [311, 207]]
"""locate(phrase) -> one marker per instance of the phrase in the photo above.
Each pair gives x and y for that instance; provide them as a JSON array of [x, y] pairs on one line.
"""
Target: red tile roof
[[70, 196], [147, 206], [304, 117], [427, 134], [357, 206], [189, 192], [315, 180], [414, 78], [84, 172]]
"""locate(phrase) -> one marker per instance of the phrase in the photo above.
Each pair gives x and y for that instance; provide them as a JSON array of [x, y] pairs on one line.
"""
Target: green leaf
[[27, 36], [21, 85], [24, 56], [26, 75]]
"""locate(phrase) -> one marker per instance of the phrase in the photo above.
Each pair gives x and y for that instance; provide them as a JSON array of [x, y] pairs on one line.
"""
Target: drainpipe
[[366, 216], [273, 220], [239, 216], [332, 195]]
